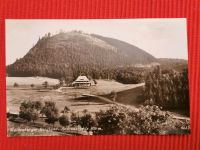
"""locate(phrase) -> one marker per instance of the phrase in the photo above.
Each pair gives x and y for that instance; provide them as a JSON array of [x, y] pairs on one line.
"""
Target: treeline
[[169, 89], [115, 120], [126, 75], [131, 75], [176, 64]]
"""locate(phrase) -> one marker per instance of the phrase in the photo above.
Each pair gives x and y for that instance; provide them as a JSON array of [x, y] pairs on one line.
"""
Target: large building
[[81, 82]]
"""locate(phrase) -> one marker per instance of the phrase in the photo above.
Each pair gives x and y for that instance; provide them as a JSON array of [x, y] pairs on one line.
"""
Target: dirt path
[[110, 101]]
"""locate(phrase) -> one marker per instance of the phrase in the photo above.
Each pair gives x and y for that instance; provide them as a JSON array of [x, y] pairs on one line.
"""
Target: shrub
[[57, 86], [15, 85], [51, 119], [87, 121], [32, 85], [64, 120], [61, 81], [45, 84], [51, 112], [147, 120], [29, 110], [113, 120], [75, 119], [66, 110], [95, 82]]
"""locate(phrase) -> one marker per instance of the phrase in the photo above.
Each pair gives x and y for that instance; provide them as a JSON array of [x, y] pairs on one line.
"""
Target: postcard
[[70, 77]]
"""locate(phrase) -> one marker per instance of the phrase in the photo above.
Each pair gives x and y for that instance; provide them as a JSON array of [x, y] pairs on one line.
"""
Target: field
[[29, 80], [63, 96]]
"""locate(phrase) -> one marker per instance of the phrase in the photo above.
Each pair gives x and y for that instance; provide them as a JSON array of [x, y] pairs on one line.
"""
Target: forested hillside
[[134, 54], [69, 54]]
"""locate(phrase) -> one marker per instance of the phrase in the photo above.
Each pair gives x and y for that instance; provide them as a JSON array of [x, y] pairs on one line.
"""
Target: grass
[[129, 97], [29, 80]]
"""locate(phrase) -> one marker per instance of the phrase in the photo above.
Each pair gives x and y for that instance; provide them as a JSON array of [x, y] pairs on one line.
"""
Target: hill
[[73, 53], [134, 54]]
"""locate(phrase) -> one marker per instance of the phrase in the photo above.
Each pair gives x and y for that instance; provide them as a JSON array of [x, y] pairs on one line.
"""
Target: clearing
[[64, 96]]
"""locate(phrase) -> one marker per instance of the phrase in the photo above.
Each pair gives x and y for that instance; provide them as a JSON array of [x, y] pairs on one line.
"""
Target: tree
[[64, 120], [113, 120], [49, 34], [61, 81], [32, 85], [168, 89], [75, 119], [29, 111], [65, 110], [147, 120], [87, 121], [26, 114], [15, 85], [38, 105], [34, 115], [52, 118], [45, 84], [50, 111], [95, 82]]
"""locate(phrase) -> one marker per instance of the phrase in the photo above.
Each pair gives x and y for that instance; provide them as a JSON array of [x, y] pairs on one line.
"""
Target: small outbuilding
[[81, 82]]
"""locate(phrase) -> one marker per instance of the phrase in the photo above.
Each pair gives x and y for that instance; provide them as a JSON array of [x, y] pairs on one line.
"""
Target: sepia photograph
[[68, 77]]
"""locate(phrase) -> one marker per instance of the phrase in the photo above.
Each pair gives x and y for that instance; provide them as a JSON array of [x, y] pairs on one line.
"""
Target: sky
[[162, 38]]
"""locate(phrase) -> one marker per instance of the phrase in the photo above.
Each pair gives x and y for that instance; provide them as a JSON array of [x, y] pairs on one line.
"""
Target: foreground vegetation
[[118, 119]]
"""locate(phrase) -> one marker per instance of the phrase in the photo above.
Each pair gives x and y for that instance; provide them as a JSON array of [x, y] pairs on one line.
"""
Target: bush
[[87, 121], [66, 110], [147, 120], [75, 119], [30, 110], [51, 119], [64, 120], [113, 120], [57, 86], [45, 85], [149, 102], [95, 82], [15, 85], [61, 82], [51, 112]]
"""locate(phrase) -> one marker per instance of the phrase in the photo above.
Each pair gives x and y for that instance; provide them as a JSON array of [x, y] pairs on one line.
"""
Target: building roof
[[81, 79]]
